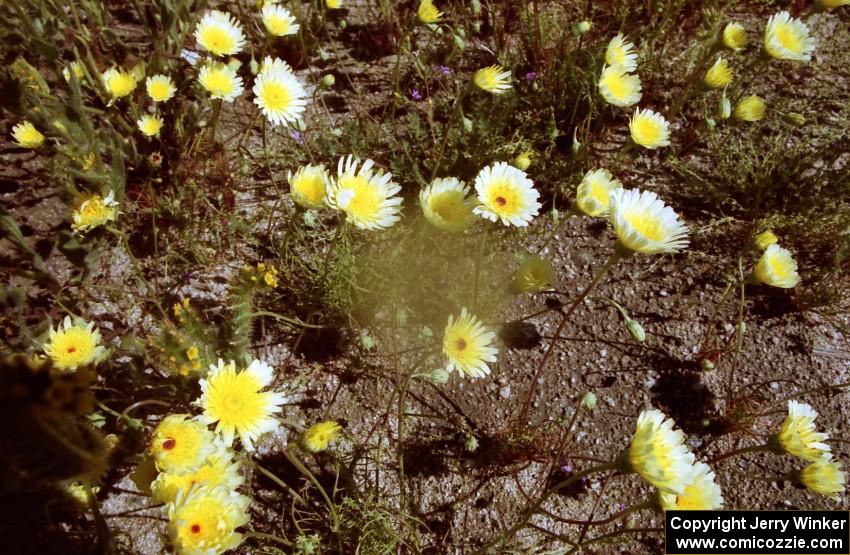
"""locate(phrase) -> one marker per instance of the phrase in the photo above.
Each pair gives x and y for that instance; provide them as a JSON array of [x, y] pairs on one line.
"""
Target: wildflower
[[444, 70], [160, 88], [523, 160], [78, 70], [94, 211], [118, 82], [649, 129], [150, 125], [701, 492], [204, 519], [219, 469], [618, 87], [581, 27], [278, 20], [777, 267], [308, 186], [621, 53], [798, 437], [531, 75], [26, 135], [535, 274], [220, 81], [718, 75], [750, 109], [446, 206], [735, 36], [234, 401], [724, 107], [830, 4], [787, 38], [643, 222], [367, 198], [594, 192], [765, 239], [73, 344], [507, 194], [328, 81], [278, 93], [180, 444], [824, 477], [415, 94], [658, 453], [319, 436], [493, 79], [635, 329], [428, 12], [333, 4], [219, 34], [468, 345]]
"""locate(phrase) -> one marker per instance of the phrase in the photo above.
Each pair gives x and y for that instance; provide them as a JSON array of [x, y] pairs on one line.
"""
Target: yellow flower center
[[647, 130], [600, 192], [217, 40], [276, 96], [311, 187], [366, 199], [219, 82], [120, 84], [159, 90], [503, 198], [646, 224], [789, 38], [780, 267], [616, 83], [449, 206], [277, 25], [235, 399]]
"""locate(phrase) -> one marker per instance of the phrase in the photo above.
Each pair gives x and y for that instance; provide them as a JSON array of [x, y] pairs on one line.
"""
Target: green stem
[[741, 451], [271, 476], [309, 475]]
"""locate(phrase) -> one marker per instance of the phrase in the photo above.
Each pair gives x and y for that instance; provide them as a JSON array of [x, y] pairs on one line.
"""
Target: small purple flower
[[621, 507], [444, 70], [531, 76], [566, 469], [414, 94], [295, 134]]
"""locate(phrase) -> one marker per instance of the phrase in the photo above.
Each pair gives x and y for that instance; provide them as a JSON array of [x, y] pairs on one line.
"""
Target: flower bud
[[459, 42], [438, 376], [635, 330], [581, 28], [523, 160], [471, 443], [576, 144], [724, 108], [588, 400], [795, 118], [707, 365], [765, 239], [467, 124], [476, 7], [328, 81]]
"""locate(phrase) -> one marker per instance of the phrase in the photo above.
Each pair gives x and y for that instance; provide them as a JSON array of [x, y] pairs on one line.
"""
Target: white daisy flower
[[278, 93], [621, 52], [219, 34], [507, 194], [367, 197], [446, 206], [278, 20], [788, 38], [643, 222], [221, 81], [618, 87]]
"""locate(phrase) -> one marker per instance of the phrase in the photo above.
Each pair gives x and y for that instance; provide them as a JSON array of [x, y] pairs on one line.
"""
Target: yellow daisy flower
[[506, 194], [235, 402], [798, 437], [278, 20], [649, 129], [535, 274], [658, 453], [621, 53], [750, 109], [777, 267], [180, 444], [765, 239], [204, 519], [735, 36], [618, 87], [428, 12], [594, 192], [319, 436], [94, 211], [220, 81], [824, 477], [308, 186], [333, 4], [787, 38], [78, 70], [150, 125], [468, 345], [493, 79], [701, 493], [73, 344], [119, 82], [718, 75], [446, 206], [26, 135], [218, 470], [160, 88], [278, 93], [367, 198], [219, 34], [643, 223]]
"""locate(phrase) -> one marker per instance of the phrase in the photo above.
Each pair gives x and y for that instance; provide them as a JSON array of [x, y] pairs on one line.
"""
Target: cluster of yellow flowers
[[798, 437]]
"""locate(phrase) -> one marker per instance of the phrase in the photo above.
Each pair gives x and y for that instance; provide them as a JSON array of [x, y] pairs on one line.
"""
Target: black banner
[[757, 532]]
